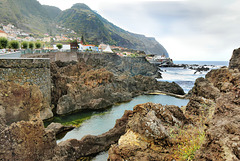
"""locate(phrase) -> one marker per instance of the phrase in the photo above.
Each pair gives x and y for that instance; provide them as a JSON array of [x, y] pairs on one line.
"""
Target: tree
[[24, 45], [14, 44], [38, 45], [31, 45], [3, 42], [83, 41], [59, 46]]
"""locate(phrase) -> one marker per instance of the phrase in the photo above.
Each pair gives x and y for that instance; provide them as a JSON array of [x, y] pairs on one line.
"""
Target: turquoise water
[[101, 122]]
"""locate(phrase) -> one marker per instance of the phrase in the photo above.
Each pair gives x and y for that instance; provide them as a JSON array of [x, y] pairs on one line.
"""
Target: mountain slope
[[31, 16], [96, 29], [52, 11], [25, 14]]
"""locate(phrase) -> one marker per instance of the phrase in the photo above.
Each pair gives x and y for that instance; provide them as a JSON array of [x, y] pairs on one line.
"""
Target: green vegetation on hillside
[[31, 16], [28, 15], [96, 29]]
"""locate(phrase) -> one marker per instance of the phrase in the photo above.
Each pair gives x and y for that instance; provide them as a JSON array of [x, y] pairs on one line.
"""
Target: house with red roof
[[3, 34]]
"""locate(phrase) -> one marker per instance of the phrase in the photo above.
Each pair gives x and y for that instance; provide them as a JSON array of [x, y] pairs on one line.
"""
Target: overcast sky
[[188, 29]]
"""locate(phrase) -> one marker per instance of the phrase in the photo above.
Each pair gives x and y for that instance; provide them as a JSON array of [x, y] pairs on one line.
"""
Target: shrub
[[59, 46], [14, 44], [24, 45], [38, 45], [3, 42], [31, 45]]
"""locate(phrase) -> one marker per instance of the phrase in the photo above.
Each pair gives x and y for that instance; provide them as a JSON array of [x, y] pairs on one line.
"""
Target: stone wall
[[31, 71]]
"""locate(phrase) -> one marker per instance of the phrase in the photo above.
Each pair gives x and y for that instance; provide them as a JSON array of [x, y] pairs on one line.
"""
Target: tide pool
[[96, 123]]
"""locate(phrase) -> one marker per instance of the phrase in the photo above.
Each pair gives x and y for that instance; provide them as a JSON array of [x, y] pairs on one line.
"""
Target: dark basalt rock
[[235, 60], [97, 81], [217, 98], [59, 128]]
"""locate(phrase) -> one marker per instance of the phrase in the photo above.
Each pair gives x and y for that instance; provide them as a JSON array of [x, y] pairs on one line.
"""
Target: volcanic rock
[[59, 128], [23, 136], [217, 98], [147, 133], [235, 60], [98, 81]]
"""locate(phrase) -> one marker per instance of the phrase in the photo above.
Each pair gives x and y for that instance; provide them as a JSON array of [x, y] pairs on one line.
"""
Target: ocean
[[186, 77]]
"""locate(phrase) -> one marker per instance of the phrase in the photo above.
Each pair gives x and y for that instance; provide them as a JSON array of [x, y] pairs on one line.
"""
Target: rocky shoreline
[[208, 128], [86, 81], [94, 85], [196, 67]]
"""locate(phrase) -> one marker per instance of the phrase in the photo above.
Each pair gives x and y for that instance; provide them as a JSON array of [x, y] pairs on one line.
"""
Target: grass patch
[[188, 140]]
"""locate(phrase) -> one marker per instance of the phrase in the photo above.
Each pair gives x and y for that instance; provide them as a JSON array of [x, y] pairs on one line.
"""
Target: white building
[[67, 47]]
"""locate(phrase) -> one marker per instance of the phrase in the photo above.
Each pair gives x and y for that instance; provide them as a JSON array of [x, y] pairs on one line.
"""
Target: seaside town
[[60, 42]]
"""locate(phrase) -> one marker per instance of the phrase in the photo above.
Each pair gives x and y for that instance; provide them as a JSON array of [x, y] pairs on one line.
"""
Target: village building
[[90, 48], [67, 47], [47, 39], [3, 34]]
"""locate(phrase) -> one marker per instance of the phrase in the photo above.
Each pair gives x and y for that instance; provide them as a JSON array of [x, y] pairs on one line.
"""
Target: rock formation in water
[[213, 111], [97, 81], [235, 60]]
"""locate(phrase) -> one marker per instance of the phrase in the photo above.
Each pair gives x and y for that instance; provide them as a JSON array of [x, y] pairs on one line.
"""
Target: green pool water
[[96, 123]]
